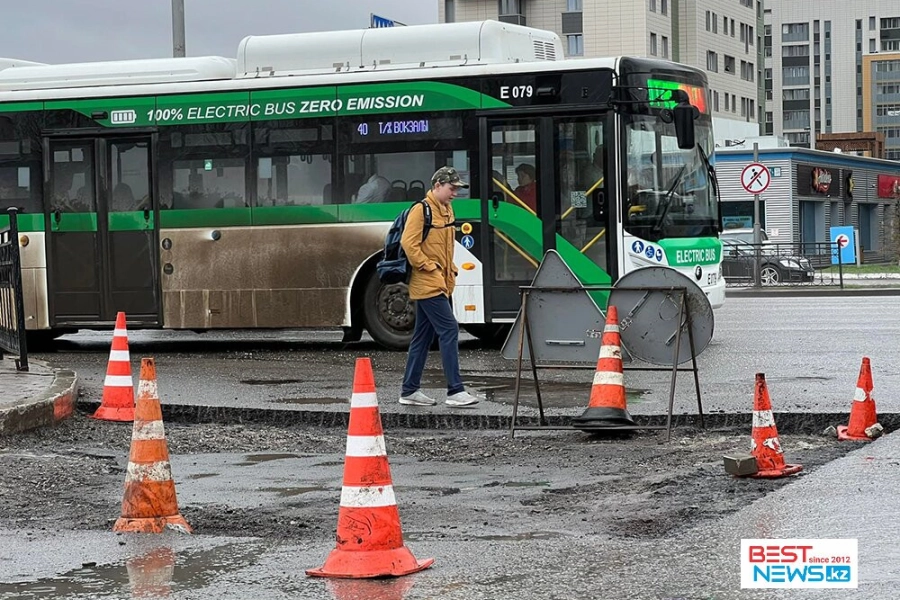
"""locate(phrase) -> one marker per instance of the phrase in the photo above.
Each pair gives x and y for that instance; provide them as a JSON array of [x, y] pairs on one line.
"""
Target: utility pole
[[178, 28]]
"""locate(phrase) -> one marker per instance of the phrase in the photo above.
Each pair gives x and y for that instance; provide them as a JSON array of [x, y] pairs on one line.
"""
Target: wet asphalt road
[[809, 348]]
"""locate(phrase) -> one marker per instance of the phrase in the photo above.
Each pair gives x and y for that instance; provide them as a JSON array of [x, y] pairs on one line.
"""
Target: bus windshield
[[669, 191]]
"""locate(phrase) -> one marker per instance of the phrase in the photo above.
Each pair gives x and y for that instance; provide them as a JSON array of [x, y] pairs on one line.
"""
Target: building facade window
[[664, 7], [653, 51], [574, 5], [449, 11], [575, 44], [665, 47], [652, 5], [795, 32], [712, 61]]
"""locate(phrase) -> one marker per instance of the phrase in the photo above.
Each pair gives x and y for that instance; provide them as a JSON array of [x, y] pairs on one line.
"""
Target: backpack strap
[[426, 210]]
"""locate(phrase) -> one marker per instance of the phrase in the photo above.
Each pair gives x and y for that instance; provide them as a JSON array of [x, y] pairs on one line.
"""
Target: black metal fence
[[12, 311], [806, 264]]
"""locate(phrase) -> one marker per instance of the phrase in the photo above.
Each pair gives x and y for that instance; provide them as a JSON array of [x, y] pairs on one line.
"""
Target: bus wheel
[[491, 335], [390, 314]]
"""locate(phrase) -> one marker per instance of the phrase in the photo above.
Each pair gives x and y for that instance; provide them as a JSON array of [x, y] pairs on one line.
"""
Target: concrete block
[[740, 464]]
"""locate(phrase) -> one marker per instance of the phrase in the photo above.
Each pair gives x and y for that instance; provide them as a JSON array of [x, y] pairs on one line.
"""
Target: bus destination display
[[407, 129]]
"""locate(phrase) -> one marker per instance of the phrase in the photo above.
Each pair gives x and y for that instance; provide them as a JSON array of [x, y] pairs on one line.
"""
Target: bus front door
[[585, 216], [101, 231]]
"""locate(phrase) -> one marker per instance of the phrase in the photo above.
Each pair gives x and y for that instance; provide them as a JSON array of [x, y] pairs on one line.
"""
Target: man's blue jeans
[[434, 316]]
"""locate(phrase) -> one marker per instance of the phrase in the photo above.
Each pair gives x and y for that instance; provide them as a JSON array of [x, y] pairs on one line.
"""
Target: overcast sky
[[57, 31]]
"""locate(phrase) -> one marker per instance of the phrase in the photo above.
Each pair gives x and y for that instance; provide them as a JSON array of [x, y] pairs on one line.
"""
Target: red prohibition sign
[[755, 178]]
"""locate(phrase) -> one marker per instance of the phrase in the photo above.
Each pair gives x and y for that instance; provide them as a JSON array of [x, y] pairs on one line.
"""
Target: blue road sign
[[843, 240], [467, 241], [380, 21]]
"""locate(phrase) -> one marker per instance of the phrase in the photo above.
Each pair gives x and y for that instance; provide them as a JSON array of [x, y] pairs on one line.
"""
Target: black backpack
[[394, 266]]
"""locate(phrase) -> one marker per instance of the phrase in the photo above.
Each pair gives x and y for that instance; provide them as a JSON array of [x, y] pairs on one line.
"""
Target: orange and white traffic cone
[[764, 443], [369, 537], [118, 387], [149, 504], [607, 405], [862, 410]]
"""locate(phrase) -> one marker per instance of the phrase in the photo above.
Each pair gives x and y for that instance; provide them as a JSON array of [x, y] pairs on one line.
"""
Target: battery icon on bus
[[123, 117]]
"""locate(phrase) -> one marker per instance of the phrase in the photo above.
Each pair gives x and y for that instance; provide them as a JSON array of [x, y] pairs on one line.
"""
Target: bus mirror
[[684, 126]]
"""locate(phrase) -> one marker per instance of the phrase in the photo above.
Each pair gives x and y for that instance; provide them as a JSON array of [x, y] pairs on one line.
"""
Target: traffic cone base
[[117, 403], [844, 435], [152, 524], [607, 405], [369, 536], [149, 504], [862, 408], [371, 563]]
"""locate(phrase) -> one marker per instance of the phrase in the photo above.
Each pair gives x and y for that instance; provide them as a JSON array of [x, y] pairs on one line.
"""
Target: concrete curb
[[54, 405], [801, 292], [792, 423]]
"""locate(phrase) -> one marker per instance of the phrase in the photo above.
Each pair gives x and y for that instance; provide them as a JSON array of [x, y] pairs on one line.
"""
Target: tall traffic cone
[[149, 504], [118, 387], [369, 537], [862, 409], [607, 405], [764, 443]]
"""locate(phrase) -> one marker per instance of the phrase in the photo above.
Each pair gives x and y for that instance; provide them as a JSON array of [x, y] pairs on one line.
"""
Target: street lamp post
[[178, 28]]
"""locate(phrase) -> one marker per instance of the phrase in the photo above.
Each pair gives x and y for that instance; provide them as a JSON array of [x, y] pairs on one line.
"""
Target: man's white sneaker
[[417, 398], [463, 399]]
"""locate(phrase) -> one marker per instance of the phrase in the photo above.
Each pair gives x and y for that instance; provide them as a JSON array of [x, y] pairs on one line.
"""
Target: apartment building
[[722, 37], [832, 66]]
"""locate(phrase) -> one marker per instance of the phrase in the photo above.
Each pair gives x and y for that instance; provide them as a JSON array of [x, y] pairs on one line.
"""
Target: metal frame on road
[[684, 316]]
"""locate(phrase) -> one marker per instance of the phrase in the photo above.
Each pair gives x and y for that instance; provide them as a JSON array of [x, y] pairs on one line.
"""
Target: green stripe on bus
[[130, 221], [7, 107], [295, 215], [28, 222], [74, 222], [288, 103], [689, 252], [204, 217]]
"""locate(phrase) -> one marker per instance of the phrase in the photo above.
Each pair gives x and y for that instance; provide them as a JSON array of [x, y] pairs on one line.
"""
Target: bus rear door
[[101, 237]]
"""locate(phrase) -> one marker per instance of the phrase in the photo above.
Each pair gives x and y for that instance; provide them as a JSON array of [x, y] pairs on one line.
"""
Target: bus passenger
[[431, 284], [374, 190], [527, 190]]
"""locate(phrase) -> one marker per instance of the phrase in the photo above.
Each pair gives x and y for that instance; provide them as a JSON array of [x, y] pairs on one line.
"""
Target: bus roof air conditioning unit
[[444, 44]]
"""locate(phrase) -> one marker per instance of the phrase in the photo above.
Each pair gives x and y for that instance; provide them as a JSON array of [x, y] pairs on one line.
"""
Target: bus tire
[[390, 314], [492, 335]]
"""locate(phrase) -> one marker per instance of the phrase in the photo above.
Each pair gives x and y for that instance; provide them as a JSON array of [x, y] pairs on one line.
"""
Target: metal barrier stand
[[684, 317], [12, 304]]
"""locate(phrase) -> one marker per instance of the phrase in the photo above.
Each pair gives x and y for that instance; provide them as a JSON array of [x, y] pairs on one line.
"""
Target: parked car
[[777, 265]]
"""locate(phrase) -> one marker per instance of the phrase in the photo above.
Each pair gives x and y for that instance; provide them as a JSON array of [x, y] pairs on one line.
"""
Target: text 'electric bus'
[[202, 193]]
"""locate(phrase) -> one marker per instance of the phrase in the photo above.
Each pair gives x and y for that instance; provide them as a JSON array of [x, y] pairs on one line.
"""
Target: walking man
[[431, 285]]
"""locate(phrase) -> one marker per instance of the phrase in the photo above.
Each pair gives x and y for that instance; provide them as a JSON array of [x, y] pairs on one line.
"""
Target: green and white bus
[[213, 193]]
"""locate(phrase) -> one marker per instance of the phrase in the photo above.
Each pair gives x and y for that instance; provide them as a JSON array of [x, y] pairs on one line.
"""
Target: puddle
[[270, 381], [521, 537], [158, 573], [334, 463], [202, 475], [255, 459], [311, 400], [290, 492]]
